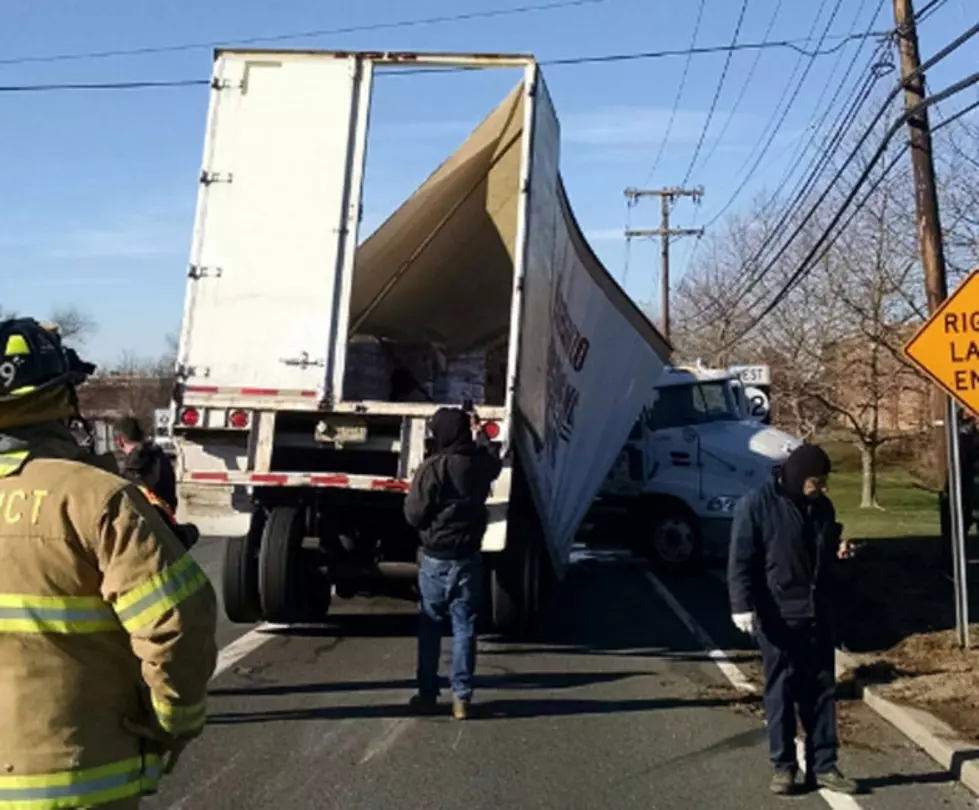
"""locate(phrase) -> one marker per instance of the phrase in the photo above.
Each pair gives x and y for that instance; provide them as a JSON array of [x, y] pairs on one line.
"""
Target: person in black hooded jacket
[[781, 575], [447, 505]]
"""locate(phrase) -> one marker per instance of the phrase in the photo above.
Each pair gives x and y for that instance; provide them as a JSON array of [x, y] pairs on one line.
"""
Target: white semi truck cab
[[696, 448]]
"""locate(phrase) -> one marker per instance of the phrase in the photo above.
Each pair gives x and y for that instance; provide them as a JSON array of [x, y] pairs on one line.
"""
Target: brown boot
[[460, 709]]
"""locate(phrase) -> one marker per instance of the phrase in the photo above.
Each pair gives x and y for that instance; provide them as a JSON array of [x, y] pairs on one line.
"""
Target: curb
[[936, 738]]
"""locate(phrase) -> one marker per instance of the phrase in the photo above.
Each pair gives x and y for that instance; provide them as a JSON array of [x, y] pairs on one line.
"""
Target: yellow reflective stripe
[[160, 593], [21, 613], [12, 462], [16, 344], [180, 719], [91, 786], [24, 389]]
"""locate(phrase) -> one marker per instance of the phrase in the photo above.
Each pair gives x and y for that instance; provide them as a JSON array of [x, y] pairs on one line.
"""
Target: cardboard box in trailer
[[310, 362]]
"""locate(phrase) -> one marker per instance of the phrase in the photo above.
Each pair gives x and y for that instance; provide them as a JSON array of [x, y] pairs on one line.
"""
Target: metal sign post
[[959, 558]]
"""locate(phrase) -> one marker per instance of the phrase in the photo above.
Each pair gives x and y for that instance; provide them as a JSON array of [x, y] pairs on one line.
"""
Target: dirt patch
[[930, 671], [896, 613]]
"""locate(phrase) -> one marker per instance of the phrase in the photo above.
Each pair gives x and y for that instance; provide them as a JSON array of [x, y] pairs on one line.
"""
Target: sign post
[[946, 348]]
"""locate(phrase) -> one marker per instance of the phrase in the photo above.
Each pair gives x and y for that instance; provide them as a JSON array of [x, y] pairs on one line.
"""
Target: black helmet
[[33, 360]]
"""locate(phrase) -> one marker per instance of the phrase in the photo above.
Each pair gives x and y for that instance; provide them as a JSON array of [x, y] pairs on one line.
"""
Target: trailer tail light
[[492, 430], [238, 420], [190, 417]]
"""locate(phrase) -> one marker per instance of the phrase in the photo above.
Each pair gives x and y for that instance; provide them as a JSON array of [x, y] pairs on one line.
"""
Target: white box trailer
[[310, 363]]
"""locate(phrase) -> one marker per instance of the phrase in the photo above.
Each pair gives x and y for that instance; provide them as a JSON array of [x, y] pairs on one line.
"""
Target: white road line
[[838, 801], [730, 670], [739, 680], [242, 646]]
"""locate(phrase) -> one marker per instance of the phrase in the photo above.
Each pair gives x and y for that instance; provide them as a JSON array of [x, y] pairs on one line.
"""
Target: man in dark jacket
[[145, 463], [784, 545], [447, 504]]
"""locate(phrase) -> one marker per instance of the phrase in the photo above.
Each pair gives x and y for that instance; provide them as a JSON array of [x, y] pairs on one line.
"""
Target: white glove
[[745, 622]]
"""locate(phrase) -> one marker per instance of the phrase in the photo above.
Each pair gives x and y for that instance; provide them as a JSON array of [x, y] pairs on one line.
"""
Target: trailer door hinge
[[303, 361], [226, 84], [202, 271], [207, 177]]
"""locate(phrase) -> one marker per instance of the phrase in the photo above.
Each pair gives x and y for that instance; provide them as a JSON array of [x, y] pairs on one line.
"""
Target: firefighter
[[106, 623]]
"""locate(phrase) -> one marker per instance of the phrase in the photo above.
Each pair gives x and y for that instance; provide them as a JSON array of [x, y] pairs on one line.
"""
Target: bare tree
[[73, 324]]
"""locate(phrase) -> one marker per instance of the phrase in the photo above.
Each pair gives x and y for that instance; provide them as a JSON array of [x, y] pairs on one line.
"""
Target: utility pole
[[943, 408], [926, 197], [667, 197]]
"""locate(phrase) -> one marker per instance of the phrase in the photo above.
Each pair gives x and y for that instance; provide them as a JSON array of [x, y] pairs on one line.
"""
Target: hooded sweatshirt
[[783, 545], [447, 500]]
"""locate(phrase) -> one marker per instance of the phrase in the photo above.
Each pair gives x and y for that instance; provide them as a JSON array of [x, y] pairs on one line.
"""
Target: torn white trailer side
[[311, 361]]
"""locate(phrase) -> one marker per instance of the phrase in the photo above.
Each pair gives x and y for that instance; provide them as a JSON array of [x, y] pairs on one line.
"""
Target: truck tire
[[279, 578], [674, 541], [515, 591], [239, 573]]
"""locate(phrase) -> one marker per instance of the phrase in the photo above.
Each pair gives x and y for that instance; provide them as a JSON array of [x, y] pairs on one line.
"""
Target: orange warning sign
[[946, 348]]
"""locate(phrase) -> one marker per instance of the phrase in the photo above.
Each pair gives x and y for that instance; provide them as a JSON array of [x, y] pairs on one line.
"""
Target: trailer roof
[[431, 59]]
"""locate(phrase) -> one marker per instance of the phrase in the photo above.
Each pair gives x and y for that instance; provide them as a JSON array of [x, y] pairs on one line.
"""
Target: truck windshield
[[679, 405]]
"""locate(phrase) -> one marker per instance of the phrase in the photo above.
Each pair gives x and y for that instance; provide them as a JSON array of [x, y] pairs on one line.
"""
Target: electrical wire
[[767, 142], [566, 62], [847, 115], [717, 93], [679, 93], [938, 57], [807, 263], [351, 29], [744, 87], [808, 180]]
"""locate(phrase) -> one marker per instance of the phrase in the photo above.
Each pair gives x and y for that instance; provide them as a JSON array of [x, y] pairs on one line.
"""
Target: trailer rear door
[[276, 220]]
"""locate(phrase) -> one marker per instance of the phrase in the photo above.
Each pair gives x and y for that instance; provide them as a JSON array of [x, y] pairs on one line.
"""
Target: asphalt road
[[616, 705]]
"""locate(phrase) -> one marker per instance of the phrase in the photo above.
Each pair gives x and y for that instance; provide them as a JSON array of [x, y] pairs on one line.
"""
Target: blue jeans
[[449, 589]]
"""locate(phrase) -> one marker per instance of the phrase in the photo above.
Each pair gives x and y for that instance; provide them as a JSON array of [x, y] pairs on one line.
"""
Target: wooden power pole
[[667, 197], [926, 200]]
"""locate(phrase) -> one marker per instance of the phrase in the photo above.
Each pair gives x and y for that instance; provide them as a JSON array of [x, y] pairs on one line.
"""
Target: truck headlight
[[722, 503]]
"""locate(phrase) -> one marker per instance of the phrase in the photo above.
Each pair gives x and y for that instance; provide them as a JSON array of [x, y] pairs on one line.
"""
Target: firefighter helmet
[[33, 360]]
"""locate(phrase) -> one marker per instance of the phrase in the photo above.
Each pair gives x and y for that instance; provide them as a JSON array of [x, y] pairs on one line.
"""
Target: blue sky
[[99, 188]]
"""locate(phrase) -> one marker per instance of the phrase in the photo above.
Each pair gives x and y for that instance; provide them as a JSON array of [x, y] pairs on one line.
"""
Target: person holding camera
[[447, 505]]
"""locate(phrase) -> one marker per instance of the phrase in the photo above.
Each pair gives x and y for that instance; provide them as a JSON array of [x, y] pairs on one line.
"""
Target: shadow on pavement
[[517, 680], [491, 710]]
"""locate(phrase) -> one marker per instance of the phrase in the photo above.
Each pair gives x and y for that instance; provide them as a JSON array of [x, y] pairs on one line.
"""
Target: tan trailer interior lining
[[440, 269]]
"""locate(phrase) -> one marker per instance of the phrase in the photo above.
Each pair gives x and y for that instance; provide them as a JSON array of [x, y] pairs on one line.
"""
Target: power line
[[806, 265], [759, 276], [717, 93], [679, 93], [847, 116], [784, 115], [565, 62], [807, 181], [744, 87], [352, 29]]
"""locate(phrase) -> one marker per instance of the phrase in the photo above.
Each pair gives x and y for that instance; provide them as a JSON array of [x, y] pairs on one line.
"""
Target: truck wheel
[[674, 543], [515, 591], [239, 574], [279, 577]]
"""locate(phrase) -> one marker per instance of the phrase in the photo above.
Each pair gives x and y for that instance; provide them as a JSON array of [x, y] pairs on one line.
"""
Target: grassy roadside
[[906, 509]]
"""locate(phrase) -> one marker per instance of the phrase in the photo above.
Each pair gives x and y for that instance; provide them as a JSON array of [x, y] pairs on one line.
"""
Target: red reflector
[[265, 478], [209, 476], [203, 389], [329, 480], [390, 485], [492, 429], [260, 392], [307, 393], [238, 419], [190, 417]]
